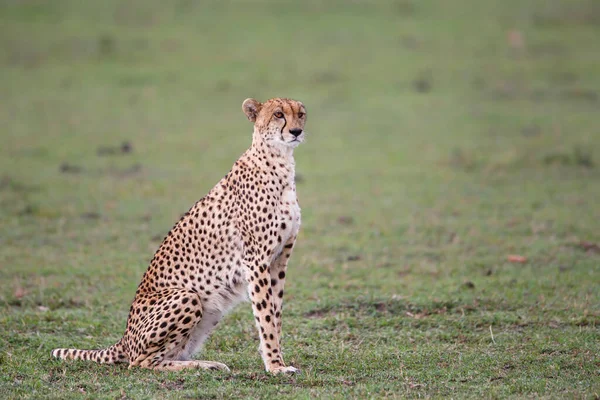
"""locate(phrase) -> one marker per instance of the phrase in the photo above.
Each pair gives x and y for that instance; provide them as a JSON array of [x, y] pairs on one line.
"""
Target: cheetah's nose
[[296, 132]]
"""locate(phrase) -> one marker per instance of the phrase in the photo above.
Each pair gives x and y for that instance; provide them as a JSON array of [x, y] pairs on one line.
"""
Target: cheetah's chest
[[289, 218]]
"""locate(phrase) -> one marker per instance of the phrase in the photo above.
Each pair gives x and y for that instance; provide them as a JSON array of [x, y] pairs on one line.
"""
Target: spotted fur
[[233, 244]]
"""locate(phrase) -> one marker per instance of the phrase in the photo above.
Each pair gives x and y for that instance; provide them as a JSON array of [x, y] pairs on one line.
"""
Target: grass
[[444, 137]]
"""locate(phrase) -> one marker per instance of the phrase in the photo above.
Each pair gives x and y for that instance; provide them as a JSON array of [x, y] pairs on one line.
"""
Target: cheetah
[[232, 245]]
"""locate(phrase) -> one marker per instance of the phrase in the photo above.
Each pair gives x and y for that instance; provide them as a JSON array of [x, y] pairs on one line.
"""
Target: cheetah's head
[[278, 122]]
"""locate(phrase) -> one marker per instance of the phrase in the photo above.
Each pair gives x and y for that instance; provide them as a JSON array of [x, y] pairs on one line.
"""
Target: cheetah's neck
[[279, 160]]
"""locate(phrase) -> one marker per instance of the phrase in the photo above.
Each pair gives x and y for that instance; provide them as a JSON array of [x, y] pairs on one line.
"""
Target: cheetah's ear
[[251, 108]]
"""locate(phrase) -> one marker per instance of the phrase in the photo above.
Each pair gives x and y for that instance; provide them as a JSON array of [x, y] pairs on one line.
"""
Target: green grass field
[[444, 137]]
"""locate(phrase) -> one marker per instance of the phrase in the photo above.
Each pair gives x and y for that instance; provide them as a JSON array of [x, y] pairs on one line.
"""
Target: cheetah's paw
[[284, 370]]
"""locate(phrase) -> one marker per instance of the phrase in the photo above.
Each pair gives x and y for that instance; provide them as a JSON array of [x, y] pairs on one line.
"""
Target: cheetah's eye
[[278, 114], [300, 115]]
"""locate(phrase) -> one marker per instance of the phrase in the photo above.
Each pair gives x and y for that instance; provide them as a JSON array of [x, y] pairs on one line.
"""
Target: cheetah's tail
[[110, 355]]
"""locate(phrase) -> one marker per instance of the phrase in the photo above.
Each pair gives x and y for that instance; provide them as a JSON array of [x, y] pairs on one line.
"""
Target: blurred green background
[[444, 139]]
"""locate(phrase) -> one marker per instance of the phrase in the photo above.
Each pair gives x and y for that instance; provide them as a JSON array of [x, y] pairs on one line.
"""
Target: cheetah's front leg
[[261, 296], [278, 271]]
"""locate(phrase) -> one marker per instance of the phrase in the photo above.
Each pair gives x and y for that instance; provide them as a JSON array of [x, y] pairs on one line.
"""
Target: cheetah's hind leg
[[159, 328], [192, 364]]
